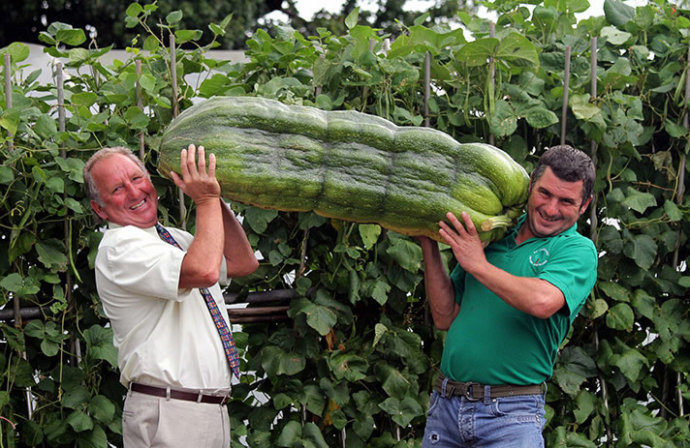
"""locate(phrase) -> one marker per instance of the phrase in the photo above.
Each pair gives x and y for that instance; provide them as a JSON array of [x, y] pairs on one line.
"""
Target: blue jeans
[[510, 422]]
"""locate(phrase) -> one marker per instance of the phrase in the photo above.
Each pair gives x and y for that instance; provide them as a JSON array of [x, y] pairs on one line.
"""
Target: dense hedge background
[[353, 363]]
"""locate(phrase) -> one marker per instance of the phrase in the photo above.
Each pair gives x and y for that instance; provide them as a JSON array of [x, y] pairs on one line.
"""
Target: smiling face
[[554, 205], [127, 196]]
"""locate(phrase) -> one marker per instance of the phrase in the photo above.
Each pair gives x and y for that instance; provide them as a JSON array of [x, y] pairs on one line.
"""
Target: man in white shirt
[[170, 353]]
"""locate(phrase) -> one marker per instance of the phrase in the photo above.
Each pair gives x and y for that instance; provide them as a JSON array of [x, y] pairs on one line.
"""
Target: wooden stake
[[566, 86]]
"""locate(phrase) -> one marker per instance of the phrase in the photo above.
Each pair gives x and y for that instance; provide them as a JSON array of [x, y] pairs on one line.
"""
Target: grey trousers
[[155, 422]]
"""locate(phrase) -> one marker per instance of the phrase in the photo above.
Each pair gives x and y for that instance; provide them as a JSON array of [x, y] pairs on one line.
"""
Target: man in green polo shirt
[[507, 309]]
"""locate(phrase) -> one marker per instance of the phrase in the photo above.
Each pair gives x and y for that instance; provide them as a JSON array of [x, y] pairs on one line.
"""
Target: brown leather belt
[[178, 394], [475, 391]]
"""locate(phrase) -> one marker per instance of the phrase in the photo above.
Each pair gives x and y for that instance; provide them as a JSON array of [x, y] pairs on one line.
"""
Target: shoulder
[[573, 240], [574, 252], [135, 246]]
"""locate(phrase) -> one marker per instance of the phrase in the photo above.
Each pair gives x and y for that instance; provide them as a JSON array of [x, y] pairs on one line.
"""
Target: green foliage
[[102, 19], [354, 363]]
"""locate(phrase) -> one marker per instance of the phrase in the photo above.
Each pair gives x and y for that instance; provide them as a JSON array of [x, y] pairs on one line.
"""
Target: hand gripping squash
[[348, 165]]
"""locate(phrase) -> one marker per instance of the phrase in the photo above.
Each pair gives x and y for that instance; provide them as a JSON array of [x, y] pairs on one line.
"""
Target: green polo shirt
[[490, 342]]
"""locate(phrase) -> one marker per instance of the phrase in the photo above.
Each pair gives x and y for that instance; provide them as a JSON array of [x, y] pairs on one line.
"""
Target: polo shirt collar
[[513, 232]]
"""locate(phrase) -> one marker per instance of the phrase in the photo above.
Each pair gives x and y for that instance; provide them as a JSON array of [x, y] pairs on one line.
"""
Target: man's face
[[554, 205], [127, 194]]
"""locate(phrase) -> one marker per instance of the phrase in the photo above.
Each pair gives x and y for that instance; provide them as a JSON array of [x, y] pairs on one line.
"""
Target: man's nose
[[551, 207], [130, 188]]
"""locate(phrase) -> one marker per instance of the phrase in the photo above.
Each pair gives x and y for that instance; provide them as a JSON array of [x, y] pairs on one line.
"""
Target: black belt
[[475, 391], [178, 394]]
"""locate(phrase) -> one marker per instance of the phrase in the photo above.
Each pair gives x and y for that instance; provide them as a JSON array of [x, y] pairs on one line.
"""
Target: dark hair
[[568, 164], [91, 188]]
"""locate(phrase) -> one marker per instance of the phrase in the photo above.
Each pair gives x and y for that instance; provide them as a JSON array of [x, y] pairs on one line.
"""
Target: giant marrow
[[348, 165]]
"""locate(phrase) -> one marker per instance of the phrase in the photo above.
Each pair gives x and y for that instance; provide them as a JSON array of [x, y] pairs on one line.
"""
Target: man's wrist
[[207, 201]]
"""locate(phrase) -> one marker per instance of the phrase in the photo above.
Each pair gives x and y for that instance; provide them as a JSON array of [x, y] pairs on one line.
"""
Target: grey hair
[[91, 188]]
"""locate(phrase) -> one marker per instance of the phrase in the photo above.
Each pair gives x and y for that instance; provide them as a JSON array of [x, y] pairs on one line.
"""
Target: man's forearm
[[238, 253], [201, 264], [528, 294], [439, 288]]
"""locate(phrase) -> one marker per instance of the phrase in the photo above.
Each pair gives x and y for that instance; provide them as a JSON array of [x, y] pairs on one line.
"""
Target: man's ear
[[531, 184], [99, 210], [585, 204]]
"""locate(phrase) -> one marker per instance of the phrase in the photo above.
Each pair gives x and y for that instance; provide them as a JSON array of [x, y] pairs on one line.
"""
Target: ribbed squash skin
[[348, 165]]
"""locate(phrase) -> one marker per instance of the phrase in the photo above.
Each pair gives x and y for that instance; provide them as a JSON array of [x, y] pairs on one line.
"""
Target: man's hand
[[196, 182], [463, 239]]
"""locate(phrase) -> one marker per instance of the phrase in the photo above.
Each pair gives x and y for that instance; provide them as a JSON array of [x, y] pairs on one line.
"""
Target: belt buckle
[[469, 389]]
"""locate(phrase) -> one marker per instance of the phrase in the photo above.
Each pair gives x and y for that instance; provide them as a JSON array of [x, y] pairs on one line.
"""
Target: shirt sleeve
[[142, 263], [572, 269]]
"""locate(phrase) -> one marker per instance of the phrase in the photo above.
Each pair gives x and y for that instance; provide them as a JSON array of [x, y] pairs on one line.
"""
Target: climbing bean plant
[[353, 363]]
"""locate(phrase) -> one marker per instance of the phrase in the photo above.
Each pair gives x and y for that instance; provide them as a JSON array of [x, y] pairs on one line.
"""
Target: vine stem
[[303, 254], [8, 94]]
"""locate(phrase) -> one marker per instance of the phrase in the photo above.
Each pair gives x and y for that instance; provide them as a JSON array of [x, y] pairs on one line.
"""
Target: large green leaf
[[540, 117], [319, 317], [620, 317], [615, 36], [102, 409], [615, 291], [99, 344], [639, 201], [519, 50], [478, 52], [392, 380], [402, 411], [406, 253], [574, 368], [348, 366], [642, 249], [52, 254], [586, 402], [504, 120], [369, 234], [96, 438], [278, 362], [421, 38], [631, 363], [79, 421], [296, 435], [618, 13], [74, 398], [71, 36], [258, 219]]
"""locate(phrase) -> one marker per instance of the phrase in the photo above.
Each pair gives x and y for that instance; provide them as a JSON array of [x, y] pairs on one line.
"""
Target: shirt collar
[[521, 220], [152, 230]]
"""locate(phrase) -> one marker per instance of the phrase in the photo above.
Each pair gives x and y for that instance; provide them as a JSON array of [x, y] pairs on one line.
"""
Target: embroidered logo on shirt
[[539, 257]]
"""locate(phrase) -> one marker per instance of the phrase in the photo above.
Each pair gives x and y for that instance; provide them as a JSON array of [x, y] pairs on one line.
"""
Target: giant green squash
[[348, 165]]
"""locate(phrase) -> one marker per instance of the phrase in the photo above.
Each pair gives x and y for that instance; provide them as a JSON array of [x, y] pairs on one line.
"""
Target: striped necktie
[[221, 325]]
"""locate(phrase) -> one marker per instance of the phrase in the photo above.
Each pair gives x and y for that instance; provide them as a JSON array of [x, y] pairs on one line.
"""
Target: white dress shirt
[[165, 336]]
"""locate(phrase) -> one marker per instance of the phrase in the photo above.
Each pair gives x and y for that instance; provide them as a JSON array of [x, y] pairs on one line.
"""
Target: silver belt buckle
[[469, 389]]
